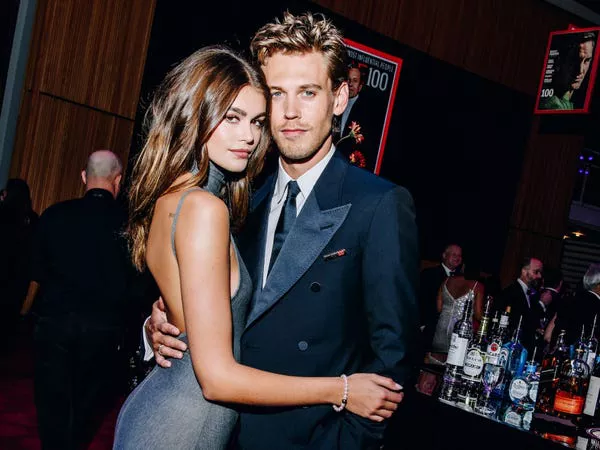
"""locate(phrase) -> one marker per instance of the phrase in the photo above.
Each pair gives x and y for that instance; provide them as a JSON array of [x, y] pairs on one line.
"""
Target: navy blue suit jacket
[[321, 316]]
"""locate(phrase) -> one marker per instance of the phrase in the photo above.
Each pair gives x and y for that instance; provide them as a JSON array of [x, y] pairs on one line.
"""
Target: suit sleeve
[[390, 276]]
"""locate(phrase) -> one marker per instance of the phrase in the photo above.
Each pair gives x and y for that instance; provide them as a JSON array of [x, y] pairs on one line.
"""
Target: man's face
[[452, 257], [302, 103], [354, 82], [532, 274], [586, 51]]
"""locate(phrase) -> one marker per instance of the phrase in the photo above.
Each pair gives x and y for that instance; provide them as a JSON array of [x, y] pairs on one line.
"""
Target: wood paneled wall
[[81, 92], [504, 41]]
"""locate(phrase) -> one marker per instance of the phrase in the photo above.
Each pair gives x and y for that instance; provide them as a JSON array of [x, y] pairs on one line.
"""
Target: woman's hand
[[372, 396]]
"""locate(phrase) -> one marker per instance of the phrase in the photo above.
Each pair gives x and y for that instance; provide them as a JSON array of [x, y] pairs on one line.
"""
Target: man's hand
[[162, 336]]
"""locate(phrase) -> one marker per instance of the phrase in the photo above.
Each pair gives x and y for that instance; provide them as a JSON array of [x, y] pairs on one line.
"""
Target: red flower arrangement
[[358, 159]]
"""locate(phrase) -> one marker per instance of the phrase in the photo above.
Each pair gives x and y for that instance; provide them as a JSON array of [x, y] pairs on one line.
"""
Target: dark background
[[456, 140], [8, 21]]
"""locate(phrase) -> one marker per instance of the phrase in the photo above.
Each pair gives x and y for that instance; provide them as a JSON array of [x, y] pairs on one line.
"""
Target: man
[[581, 310], [364, 111], [80, 263], [571, 72], [430, 282], [338, 296], [523, 298]]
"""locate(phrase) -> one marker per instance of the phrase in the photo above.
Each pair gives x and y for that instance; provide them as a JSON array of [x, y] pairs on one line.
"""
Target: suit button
[[302, 346], [315, 287]]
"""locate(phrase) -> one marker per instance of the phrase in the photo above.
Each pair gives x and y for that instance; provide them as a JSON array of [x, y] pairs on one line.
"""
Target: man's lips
[[292, 132]]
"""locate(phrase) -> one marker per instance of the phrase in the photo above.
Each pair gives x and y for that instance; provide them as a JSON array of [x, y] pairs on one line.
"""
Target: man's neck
[[295, 169]]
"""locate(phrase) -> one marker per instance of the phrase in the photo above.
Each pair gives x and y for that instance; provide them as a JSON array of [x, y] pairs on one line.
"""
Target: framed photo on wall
[[569, 72], [372, 79]]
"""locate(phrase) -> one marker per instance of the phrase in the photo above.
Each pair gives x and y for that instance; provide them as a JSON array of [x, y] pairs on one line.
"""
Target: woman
[[208, 129], [451, 301]]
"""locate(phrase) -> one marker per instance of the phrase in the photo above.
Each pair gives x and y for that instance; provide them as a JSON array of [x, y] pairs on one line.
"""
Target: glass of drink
[[490, 377]]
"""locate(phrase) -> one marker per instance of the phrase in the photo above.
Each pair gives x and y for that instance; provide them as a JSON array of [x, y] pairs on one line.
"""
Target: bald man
[[81, 265]]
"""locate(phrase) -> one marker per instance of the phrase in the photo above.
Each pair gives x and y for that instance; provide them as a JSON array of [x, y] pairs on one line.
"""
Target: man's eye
[[276, 94], [308, 93]]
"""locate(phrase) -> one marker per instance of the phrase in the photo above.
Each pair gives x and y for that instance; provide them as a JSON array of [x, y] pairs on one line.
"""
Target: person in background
[[81, 266], [578, 312], [430, 281], [17, 225], [523, 298], [451, 301]]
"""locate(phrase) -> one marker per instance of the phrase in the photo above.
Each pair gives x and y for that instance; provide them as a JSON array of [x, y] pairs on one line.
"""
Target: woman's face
[[238, 134]]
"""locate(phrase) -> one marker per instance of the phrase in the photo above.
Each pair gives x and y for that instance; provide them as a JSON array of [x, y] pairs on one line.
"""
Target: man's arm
[[32, 291], [390, 275]]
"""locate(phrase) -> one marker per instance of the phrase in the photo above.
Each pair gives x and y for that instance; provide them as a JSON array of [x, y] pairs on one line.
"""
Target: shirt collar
[[306, 181], [551, 289], [597, 296], [523, 285], [446, 269], [98, 193]]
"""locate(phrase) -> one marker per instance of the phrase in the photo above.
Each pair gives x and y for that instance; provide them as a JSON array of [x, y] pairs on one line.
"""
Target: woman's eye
[[259, 123], [232, 119]]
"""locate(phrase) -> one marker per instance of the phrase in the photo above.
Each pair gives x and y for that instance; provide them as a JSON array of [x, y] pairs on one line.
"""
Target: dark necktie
[[285, 222]]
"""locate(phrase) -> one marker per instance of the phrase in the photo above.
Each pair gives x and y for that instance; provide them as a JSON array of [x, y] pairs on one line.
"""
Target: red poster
[[373, 79], [569, 72]]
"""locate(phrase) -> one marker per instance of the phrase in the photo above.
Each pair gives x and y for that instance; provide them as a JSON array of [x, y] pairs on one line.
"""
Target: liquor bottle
[[475, 360], [591, 409], [523, 388], [459, 342], [572, 387], [549, 373], [591, 347], [512, 357], [497, 338], [504, 322]]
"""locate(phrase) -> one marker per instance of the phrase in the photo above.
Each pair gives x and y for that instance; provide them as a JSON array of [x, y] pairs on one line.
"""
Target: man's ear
[[83, 177], [341, 99]]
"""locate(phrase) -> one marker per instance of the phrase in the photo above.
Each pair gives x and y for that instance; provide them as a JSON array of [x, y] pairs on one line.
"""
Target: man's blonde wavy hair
[[303, 34]]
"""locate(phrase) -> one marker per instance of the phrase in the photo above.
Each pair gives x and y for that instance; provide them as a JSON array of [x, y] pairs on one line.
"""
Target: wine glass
[[490, 377]]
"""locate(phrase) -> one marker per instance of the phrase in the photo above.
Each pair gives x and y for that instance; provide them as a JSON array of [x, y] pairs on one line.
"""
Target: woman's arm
[[202, 245], [439, 299]]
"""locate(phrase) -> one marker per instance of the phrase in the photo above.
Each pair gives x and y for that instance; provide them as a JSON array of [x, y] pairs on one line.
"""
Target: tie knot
[[530, 292], [293, 189]]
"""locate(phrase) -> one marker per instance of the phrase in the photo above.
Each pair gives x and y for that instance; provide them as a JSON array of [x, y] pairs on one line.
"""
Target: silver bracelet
[[341, 407]]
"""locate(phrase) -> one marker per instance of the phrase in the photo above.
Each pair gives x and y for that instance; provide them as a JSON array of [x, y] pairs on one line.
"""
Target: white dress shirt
[[306, 183], [525, 289], [448, 271]]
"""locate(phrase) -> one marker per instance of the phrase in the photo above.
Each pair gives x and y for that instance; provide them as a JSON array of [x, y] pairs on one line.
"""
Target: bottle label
[[591, 399], [518, 389], [512, 418], [457, 350], [473, 363], [568, 403], [503, 358], [533, 390], [493, 349], [527, 418], [504, 320], [591, 358]]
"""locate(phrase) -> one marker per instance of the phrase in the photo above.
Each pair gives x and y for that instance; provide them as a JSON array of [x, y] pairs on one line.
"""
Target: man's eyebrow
[[311, 86], [301, 87]]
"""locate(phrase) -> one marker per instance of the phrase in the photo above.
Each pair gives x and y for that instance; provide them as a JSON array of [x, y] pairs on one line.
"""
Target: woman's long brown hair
[[186, 109]]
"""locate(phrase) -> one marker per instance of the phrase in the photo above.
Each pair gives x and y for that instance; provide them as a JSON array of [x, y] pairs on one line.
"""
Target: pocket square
[[336, 254]]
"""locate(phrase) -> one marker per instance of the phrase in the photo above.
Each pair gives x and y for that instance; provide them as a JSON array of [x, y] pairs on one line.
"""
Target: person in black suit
[[580, 311], [523, 298], [339, 295], [430, 281], [81, 267], [364, 110]]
